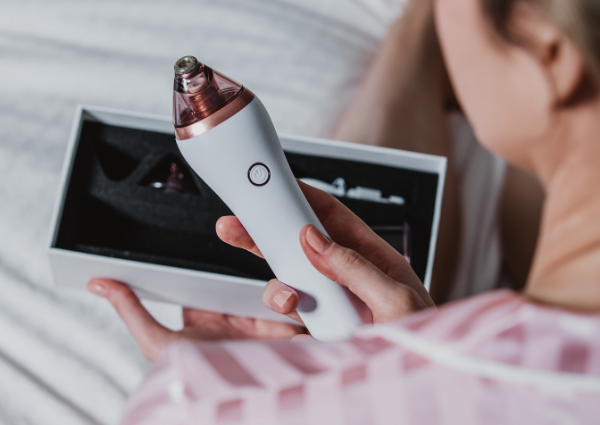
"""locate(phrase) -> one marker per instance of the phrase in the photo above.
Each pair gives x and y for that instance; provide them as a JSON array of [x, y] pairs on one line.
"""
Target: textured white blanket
[[65, 357]]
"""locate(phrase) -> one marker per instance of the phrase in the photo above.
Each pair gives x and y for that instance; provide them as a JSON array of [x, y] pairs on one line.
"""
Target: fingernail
[[317, 240], [281, 298], [95, 286], [301, 338]]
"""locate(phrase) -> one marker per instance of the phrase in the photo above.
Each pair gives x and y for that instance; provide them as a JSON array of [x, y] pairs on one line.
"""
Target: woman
[[527, 74]]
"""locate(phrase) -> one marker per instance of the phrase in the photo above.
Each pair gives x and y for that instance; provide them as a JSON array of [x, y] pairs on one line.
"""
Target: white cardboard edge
[[436, 222], [185, 287], [64, 175], [308, 145]]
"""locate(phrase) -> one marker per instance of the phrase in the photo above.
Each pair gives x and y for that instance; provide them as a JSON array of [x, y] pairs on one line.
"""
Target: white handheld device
[[227, 137]]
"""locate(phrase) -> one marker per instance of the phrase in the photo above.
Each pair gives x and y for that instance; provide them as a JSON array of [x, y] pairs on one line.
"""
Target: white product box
[[114, 218]]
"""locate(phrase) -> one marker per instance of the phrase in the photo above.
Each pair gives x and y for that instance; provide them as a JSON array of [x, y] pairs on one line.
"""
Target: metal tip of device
[[186, 65]]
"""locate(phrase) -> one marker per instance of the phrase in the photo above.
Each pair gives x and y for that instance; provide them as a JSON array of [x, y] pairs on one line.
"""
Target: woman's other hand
[[358, 259], [153, 338]]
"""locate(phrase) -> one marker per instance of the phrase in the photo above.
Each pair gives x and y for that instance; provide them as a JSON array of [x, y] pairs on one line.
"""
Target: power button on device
[[259, 174]]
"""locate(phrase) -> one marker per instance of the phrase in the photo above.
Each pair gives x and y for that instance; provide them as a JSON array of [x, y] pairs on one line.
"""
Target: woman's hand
[[154, 339], [358, 259]]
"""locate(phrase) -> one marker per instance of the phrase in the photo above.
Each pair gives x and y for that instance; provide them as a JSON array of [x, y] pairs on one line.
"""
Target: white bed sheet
[[64, 355]]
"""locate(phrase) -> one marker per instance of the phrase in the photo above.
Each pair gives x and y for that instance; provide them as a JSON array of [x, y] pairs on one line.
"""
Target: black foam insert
[[112, 209]]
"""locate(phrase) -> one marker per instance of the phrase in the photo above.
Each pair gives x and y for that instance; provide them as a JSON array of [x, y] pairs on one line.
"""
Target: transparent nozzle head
[[199, 91]]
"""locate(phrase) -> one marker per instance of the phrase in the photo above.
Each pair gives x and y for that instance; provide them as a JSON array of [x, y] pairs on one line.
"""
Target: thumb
[[151, 336], [385, 297]]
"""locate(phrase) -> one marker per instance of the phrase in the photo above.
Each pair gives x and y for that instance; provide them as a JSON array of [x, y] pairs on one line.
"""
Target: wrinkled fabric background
[[65, 357]]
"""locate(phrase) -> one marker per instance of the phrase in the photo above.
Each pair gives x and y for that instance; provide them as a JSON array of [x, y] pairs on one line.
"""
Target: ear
[[561, 59]]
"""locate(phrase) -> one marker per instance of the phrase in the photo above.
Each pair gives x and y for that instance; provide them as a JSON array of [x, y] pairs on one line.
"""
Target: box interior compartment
[[121, 202]]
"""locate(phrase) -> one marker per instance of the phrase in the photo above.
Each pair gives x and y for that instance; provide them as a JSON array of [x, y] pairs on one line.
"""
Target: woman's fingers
[[344, 227], [341, 223], [387, 298], [278, 297], [231, 231], [348, 230], [202, 325], [151, 336], [281, 299], [379, 263]]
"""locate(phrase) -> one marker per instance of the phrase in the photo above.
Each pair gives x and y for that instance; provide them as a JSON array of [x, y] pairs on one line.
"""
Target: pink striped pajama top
[[492, 359]]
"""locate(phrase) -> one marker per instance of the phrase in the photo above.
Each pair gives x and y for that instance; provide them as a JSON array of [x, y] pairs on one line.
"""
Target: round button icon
[[259, 174]]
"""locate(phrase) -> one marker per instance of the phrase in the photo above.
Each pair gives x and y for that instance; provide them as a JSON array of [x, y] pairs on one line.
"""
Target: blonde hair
[[579, 19]]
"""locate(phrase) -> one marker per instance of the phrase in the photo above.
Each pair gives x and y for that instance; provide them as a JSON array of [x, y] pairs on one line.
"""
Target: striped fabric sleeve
[[252, 382], [493, 359]]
